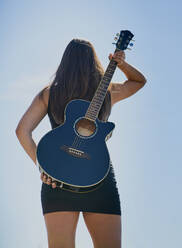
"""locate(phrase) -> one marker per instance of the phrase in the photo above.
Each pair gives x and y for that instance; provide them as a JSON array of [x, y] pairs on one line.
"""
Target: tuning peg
[[129, 48], [114, 43], [131, 44], [117, 34], [133, 40], [115, 38]]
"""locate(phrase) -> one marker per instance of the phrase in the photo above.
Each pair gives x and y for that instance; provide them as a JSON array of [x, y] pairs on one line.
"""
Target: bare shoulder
[[45, 95]]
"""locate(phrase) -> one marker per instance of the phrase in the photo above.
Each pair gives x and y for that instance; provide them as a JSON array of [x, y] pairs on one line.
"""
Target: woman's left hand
[[118, 56]]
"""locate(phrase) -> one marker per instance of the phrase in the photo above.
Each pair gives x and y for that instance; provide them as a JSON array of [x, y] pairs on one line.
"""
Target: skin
[[105, 229]]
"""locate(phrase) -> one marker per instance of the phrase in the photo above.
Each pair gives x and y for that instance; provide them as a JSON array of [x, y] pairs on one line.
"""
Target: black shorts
[[104, 199]]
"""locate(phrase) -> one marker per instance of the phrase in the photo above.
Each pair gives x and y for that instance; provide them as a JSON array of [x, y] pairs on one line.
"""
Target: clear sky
[[145, 147]]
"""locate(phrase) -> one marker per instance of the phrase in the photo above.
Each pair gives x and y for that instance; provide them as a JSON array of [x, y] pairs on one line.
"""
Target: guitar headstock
[[123, 40]]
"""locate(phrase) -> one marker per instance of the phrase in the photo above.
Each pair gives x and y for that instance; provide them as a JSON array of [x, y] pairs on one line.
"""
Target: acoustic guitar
[[75, 154]]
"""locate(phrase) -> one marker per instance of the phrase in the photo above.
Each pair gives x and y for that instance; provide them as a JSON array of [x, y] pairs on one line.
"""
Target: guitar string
[[77, 142]]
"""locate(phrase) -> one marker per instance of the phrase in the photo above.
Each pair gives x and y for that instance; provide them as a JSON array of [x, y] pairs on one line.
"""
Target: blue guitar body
[[72, 159]]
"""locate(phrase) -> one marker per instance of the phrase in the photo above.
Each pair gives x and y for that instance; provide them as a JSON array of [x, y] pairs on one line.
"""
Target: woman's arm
[[135, 79], [29, 121], [132, 73]]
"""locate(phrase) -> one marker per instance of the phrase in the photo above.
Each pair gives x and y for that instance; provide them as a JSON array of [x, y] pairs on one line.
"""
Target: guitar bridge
[[74, 152]]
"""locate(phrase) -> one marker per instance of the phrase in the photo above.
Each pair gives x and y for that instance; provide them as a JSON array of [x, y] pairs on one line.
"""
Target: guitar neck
[[98, 98]]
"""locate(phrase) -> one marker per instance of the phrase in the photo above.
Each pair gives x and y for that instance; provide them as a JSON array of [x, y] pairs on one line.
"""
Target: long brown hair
[[78, 76]]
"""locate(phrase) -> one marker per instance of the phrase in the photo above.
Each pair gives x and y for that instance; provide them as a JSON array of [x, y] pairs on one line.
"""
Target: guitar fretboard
[[97, 100]]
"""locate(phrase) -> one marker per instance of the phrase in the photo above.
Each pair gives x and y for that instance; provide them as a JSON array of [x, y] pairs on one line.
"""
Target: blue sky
[[145, 147]]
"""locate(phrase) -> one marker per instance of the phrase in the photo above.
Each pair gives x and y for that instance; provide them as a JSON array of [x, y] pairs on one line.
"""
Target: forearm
[[131, 73], [28, 144]]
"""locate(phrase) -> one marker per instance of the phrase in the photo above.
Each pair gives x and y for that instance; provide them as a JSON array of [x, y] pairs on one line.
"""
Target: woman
[[78, 76]]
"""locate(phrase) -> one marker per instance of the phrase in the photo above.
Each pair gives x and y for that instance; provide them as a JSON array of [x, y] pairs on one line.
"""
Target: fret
[[94, 107], [89, 112], [92, 111], [108, 72], [107, 77], [103, 88], [110, 67], [91, 108], [105, 80], [98, 97], [90, 117], [102, 85], [102, 91], [113, 67], [95, 112], [111, 70], [98, 100], [95, 104], [100, 94]]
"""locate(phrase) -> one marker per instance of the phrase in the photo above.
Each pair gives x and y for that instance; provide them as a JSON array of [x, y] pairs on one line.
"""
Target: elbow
[[18, 129], [143, 81], [21, 132], [18, 132]]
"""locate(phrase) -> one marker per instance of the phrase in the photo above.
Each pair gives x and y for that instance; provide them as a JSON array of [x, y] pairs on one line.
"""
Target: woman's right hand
[[47, 180]]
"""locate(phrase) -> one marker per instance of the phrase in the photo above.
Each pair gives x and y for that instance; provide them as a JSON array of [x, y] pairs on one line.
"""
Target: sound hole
[[85, 127]]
